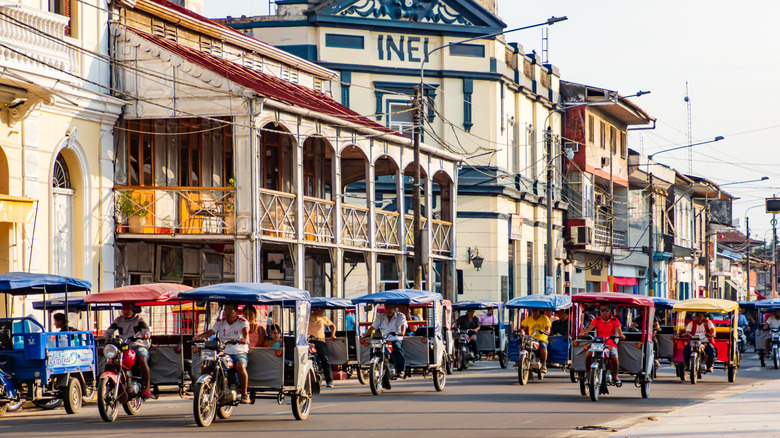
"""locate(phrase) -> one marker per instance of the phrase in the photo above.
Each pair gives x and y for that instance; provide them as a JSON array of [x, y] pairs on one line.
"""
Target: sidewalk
[[753, 413]]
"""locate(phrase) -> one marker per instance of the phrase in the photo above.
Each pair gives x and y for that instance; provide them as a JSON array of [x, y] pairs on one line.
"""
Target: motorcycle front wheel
[[524, 370], [203, 404], [106, 404], [693, 368], [376, 376], [439, 379], [594, 383], [463, 363], [776, 357], [583, 383]]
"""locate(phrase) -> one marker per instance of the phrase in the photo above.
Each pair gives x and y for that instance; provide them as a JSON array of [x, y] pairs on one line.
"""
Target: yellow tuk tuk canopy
[[16, 209], [706, 305]]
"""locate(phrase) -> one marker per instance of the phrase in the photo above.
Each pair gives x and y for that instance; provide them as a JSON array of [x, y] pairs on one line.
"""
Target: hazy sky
[[728, 51]]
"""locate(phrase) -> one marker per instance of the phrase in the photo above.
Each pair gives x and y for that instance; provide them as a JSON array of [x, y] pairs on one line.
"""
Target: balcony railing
[[387, 230], [410, 228], [318, 220], [354, 226], [601, 236], [441, 244], [175, 210], [277, 214]]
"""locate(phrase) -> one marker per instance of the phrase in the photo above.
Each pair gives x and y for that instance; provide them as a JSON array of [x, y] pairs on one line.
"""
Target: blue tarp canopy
[[663, 303], [767, 304], [249, 293], [749, 304], [75, 304], [477, 304], [24, 283], [332, 303], [400, 296], [543, 302]]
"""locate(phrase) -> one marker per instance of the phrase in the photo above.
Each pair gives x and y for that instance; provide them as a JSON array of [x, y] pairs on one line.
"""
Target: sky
[[727, 51]]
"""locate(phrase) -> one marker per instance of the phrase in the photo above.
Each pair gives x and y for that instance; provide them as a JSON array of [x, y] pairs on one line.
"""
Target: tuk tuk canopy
[[25, 283], [772, 304], [400, 296], [139, 294], [247, 293], [477, 304], [706, 305], [332, 303], [664, 303], [542, 302], [614, 298], [74, 305]]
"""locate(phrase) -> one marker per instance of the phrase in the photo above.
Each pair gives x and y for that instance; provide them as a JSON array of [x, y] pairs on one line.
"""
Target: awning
[[624, 281], [16, 209], [735, 286]]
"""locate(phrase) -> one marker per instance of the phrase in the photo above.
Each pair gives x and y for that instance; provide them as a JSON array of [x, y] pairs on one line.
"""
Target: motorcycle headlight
[[208, 355], [464, 338], [376, 344], [110, 351]]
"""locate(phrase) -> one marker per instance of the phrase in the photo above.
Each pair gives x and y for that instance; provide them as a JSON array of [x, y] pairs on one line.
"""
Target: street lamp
[[747, 240], [419, 93]]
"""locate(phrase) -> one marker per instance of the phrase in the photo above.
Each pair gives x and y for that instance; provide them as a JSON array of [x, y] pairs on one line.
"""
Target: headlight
[[208, 355], [464, 338], [110, 351], [376, 344]]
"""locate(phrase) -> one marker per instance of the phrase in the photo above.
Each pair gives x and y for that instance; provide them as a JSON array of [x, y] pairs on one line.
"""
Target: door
[[62, 244]]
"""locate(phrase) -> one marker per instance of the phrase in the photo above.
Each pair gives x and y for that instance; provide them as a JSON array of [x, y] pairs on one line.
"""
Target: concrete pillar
[[337, 255], [371, 196]]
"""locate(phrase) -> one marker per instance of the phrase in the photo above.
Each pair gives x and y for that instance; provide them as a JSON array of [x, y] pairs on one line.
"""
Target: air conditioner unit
[[605, 161], [573, 145], [582, 235], [601, 199]]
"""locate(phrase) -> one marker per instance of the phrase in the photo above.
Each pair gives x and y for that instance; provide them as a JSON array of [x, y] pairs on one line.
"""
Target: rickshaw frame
[[499, 348], [348, 360], [665, 341]]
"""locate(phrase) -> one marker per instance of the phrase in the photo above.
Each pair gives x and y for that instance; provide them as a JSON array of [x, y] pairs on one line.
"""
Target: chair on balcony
[[204, 214]]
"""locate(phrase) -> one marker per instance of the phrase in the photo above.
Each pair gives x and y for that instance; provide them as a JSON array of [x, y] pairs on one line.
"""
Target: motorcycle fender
[[204, 378], [111, 375], [523, 353]]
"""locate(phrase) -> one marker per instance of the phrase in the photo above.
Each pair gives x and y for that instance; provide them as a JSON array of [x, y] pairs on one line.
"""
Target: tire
[[301, 403], [376, 376], [362, 375], [132, 406], [693, 368], [681, 372], [572, 376], [439, 379], [204, 407], [12, 407], [89, 393], [523, 370], [761, 358], [776, 358], [462, 362], [48, 404], [644, 386], [583, 384], [503, 359], [732, 374], [450, 367], [72, 396], [594, 383], [224, 412], [106, 407]]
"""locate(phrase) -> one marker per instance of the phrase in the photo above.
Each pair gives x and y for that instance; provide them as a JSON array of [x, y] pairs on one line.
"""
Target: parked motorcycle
[[465, 351], [530, 360], [121, 382]]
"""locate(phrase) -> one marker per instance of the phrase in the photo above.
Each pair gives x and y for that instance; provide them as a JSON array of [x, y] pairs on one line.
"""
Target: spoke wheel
[[439, 379], [72, 396], [644, 386], [203, 405], [376, 376], [583, 384], [503, 359], [106, 403], [362, 375], [594, 383], [301, 403], [133, 406], [524, 370]]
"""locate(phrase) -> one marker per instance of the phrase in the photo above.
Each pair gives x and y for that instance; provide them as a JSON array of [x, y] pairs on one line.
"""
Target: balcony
[[318, 220], [441, 244], [387, 230], [601, 236], [278, 214], [355, 226], [175, 210]]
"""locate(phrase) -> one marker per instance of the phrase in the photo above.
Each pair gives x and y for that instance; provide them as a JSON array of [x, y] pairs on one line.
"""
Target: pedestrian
[[317, 323], [60, 323]]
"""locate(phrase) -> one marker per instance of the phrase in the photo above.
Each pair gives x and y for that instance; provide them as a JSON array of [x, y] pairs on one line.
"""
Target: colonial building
[[597, 185], [233, 162], [487, 100], [56, 151]]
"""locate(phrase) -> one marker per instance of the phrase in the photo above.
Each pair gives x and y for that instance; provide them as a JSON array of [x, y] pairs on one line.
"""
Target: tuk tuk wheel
[[302, 402], [732, 373], [224, 412], [450, 365], [132, 407], [644, 386], [48, 404], [89, 392], [572, 376], [439, 379], [72, 397], [503, 359], [681, 371], [362, 375], [583, 383], [12, 407]]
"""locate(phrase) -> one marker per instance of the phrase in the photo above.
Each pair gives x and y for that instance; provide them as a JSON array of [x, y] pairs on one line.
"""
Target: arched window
[[60, 178]]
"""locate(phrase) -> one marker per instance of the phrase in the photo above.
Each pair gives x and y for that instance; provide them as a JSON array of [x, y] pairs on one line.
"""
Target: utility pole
[[549, 286], [774, 256], [747, 233], [706, 248], [416, 198], [651, 238]]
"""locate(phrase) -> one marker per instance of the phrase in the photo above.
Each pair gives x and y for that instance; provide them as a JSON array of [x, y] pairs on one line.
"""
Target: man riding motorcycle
[[771, 323], [606, 326], [704, 328], [128, 325], [392, 322], [538, 326], [467, 322]]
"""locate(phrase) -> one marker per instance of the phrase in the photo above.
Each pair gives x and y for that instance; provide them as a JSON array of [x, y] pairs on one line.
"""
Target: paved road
[[484, 400]]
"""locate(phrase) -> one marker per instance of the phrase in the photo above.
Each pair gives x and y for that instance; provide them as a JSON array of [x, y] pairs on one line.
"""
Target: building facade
[[487, 101]]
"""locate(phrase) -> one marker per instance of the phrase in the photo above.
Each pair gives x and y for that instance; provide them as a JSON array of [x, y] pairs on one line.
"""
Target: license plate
[[208, 355]]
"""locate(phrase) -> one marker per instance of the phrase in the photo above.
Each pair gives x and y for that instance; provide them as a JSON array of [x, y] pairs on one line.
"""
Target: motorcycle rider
[[392, 322], [606, 326], [771, 322], [317, 323], [538, 325], [705, 329], [467, 322], [129, 324], [233, 328]]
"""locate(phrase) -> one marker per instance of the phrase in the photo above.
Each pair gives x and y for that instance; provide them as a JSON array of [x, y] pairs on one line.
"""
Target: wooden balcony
[[442, 243], [355, 226], [277, 214]]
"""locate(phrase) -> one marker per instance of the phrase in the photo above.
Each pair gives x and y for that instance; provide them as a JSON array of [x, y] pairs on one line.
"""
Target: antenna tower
[[545, 45], [690, 131]]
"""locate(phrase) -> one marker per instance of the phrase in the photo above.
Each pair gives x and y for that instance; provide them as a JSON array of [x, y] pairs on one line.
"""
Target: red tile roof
[[267, 85]]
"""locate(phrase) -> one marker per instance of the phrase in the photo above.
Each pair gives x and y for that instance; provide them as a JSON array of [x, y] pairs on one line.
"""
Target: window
[[470, 50], [61, 177], [529, 268], [603, 135], [591, 129], [623, 148], [344, 41], [400, 117], [61, 7], [612, 140]]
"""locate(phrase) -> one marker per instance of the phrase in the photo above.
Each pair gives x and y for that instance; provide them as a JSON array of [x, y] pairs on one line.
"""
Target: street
[[484, 400]]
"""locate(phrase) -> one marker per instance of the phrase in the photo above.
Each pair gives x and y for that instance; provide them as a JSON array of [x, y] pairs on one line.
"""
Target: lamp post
[[651, 220], [419, 95], [747, 239]]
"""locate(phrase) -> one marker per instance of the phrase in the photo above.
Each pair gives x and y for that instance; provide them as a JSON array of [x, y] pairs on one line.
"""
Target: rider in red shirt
[[606, 326]]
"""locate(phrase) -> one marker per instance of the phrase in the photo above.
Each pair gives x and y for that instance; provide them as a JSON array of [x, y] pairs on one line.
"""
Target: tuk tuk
[[491, 338], [39, 364], [635, 352], [168, 362], [664, 336], [753, 315], [275, 372], [425, 352], [763, 308], [520, 347], [724, 315], [344, 351]]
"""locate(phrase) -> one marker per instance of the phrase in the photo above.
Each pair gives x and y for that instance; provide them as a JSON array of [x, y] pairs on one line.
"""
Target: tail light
[[609, 347], [586, 347], [575, 343], [278, 353], [424, 340], [312, 350], [638, 345]]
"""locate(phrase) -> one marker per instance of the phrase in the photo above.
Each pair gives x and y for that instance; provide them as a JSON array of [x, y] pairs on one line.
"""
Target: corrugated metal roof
[[267, 85]]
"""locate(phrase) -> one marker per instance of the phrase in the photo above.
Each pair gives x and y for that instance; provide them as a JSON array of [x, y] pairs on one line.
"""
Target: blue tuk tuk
[[763, 308], [274, 371], [491, 338], [749, 332], [664, 334], [425, 352], [521, 349], [344, 351], [36, 363]]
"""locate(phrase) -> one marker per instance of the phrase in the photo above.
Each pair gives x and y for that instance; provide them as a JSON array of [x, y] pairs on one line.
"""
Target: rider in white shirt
[[392, 322], [772, 322]]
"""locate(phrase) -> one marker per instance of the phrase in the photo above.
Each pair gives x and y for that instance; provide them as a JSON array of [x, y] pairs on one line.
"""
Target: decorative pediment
[[466, 13]]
